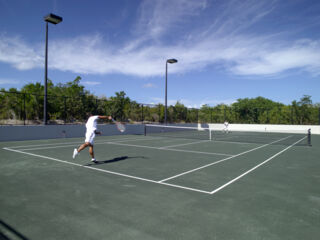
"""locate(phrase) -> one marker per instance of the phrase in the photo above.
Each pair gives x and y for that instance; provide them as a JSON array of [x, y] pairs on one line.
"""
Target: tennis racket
[[119, 125]]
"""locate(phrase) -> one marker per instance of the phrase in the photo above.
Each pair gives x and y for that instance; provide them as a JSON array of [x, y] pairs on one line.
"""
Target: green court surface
[[147, 187]]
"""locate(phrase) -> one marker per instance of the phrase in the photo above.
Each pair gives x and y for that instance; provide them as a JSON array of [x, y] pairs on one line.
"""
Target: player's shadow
[[117, 159]]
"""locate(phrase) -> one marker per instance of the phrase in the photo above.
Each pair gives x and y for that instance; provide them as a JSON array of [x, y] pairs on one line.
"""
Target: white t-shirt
[[91, 124]]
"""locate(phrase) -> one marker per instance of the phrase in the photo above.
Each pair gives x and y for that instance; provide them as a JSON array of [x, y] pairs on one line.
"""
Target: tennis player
[[91, 132], [226, 127]]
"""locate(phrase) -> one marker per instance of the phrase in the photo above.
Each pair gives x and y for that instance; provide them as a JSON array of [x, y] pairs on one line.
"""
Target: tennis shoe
[[94, 160], [75, 153]]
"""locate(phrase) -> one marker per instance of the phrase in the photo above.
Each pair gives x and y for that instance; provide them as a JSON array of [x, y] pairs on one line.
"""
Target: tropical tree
[[119, 105], [305, 105]]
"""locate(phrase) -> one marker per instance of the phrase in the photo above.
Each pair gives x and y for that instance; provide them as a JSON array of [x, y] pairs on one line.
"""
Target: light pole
[[50, 18], [165, 110]]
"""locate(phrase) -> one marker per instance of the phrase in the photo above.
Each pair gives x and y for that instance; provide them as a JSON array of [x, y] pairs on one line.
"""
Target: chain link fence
[[18, 108]]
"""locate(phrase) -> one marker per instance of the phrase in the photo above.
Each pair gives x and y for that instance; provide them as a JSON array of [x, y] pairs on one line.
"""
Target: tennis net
[[178, 132], [284, 137]]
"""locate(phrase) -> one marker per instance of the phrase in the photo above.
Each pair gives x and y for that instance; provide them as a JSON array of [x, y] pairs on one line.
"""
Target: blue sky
[[226, 49]]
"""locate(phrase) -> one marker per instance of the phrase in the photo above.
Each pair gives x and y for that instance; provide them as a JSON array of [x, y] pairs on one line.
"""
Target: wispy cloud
[[15, 51], [156, 100], [300, 55], [225, 40], [8, 81], [155, 17], [149, 85], [91, 83]]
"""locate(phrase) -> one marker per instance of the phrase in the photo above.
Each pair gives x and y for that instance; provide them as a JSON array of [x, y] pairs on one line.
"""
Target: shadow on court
[[10, 231], [117, 159]]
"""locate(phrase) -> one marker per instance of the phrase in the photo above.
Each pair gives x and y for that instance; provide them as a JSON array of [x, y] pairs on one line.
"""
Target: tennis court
[[162, 187]]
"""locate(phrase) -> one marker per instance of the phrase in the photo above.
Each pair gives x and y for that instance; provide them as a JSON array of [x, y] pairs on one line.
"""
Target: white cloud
[[8, 81], [92, 83], [239, 55], [297, 56], [149, 85], [156, 100], [155, 17], [224, 41], [19, 54]]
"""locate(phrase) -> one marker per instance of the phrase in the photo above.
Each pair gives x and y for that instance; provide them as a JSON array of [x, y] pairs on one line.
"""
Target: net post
[[145, 130], [309, 137], [210, 135]]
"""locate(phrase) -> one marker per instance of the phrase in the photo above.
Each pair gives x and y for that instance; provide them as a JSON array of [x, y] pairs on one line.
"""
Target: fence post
[[65, 110], [21, 107], [97, 112], [24, 109], [197, 115], [319, 117], [142, 113], [186, 120]]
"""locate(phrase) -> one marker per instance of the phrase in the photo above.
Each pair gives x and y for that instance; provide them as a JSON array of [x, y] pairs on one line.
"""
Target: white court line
[[50, 144], [135, 139], [168, 149], [39, 145], [106, 171], [184, 144], [222, 160], [70, 145], [161, 182], [131, 145], [252, 169], [231, 142], [187, 188]]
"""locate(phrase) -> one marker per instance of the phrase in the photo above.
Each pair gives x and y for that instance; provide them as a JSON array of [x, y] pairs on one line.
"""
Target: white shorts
[[90, 135]]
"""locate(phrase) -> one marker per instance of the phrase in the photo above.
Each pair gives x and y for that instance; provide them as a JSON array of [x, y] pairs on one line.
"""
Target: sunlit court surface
[[157, 186]]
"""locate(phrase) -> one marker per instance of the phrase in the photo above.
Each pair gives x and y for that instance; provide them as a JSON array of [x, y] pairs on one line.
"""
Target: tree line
[[71, 102]]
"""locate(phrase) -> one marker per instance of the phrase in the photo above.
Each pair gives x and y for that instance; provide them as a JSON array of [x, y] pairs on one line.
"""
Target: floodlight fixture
[[172, 60], [51, 18]]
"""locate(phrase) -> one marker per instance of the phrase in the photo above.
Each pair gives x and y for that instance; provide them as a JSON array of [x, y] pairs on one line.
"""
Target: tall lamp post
[[54, 19], [165, 111]]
